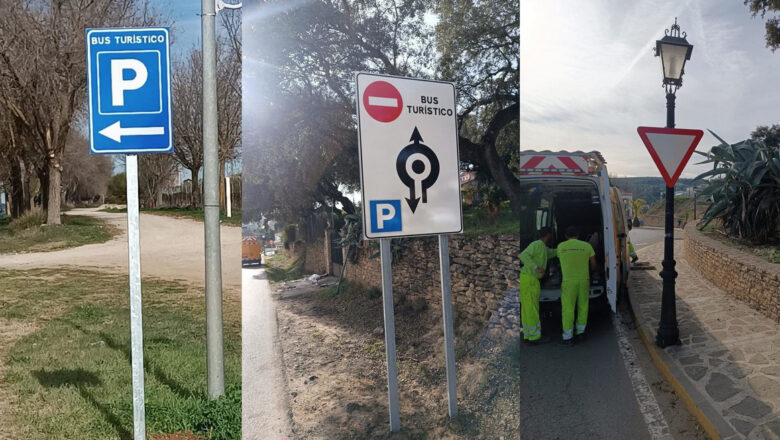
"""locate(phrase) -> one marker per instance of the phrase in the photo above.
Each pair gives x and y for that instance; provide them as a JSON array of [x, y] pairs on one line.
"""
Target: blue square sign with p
[[385, 216], [128, 80]]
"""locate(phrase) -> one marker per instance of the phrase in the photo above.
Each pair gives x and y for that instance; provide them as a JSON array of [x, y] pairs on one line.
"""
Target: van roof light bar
[[561, 162]]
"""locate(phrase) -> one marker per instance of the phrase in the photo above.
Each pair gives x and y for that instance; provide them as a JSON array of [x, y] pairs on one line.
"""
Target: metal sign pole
[[449, 333], [228, 197], [134, 269], [387, 305], [215, 360]]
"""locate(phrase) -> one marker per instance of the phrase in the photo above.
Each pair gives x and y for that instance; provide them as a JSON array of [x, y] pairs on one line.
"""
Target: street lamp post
[[695, 195], [674, 50]]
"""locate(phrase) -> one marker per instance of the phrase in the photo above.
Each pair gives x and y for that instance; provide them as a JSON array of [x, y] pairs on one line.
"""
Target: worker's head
[[572, 232], [545, 234]]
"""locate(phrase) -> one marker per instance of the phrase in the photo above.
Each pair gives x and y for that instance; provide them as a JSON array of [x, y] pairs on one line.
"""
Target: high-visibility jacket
[[574, 256], [535, 255]]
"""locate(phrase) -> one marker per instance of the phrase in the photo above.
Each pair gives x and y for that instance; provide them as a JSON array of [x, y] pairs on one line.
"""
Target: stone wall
[[483, 270], [747, 277], [314, 257]]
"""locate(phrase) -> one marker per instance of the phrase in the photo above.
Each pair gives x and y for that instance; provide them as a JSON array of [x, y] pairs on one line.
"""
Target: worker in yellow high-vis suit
[[577, 259], [534, 259]]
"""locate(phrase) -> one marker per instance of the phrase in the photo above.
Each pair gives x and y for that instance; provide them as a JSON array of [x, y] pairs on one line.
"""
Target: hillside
[[647, 188]]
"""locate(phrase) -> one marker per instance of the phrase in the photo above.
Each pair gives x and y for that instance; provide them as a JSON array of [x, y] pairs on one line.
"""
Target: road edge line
[[687, 400], [657, 425]]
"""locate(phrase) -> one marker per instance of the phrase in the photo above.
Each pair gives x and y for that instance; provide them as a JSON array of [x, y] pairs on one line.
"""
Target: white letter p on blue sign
[[385, 215], [118, 82]]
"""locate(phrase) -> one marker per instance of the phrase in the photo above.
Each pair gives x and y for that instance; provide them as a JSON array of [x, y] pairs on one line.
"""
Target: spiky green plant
[[744, 184]]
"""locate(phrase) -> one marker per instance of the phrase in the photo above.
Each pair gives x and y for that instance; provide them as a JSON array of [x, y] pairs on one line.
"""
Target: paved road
[[265, 411], [582, 392], [171, 248], [643, 237]]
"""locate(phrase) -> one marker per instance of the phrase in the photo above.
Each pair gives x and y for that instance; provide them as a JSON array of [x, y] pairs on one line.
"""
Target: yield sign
[[670, 149]]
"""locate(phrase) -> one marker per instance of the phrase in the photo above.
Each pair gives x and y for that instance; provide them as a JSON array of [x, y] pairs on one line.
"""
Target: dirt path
[[171, 248]]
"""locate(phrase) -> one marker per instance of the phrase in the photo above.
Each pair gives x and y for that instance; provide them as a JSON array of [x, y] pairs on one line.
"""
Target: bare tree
[[187, 132], [187, 109], [86, 176], [42, 56], [156, 172], [229, 105]]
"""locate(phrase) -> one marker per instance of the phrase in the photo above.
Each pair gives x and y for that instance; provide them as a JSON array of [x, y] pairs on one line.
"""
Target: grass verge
[[476, 220], [72, 378], [282, 266], [74, 231], [190, 213]]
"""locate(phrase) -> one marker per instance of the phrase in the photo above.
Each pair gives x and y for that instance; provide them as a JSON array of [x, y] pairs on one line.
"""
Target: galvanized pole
[[449, 333], [136, 312], [387, 305], [215, 360]]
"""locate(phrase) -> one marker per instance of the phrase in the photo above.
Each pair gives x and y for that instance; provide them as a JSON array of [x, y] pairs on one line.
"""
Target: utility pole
[[215, 367]]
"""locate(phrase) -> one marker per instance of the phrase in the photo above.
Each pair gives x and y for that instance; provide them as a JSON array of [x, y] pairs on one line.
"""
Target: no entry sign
[[670, 148], [409, 159], [382, 101]]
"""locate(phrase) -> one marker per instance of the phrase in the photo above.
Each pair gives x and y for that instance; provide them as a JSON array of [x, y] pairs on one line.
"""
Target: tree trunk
[[43, 179], [17, 195], [55, 192]]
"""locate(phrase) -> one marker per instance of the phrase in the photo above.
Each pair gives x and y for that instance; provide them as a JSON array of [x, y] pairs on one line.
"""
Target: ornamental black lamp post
[[674, 50]]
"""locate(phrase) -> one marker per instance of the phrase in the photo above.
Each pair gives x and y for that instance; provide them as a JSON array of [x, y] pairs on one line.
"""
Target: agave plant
[[744, 184]]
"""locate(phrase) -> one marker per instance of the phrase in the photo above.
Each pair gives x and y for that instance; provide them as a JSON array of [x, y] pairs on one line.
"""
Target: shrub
[[117, 190], [744, 186], [30, 219]]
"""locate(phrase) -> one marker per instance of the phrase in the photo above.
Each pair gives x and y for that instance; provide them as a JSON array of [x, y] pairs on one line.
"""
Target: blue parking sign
[[129, 86]]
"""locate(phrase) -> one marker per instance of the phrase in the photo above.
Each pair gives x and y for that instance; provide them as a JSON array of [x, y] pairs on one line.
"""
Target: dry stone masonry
[[745, 277], [484, 269]]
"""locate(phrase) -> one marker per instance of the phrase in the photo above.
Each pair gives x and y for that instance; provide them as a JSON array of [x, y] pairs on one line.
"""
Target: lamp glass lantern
[[674, 50]]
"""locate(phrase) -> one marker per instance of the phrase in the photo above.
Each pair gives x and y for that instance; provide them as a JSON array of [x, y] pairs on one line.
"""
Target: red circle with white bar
[[382, 101]]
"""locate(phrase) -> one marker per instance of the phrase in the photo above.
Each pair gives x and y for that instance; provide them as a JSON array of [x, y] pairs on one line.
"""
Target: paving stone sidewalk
[[729, 360]]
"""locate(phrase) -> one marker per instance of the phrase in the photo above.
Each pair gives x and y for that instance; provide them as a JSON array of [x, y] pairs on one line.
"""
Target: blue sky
[[185, 15], [589, 76]]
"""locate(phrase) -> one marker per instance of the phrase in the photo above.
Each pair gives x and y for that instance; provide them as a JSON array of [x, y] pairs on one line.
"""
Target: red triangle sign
[[670, 149]]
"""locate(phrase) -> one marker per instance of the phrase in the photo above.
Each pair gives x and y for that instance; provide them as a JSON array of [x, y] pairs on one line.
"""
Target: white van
[[562, 189]]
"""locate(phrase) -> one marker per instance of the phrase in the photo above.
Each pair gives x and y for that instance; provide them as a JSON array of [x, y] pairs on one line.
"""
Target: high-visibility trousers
[[529, 303], [574, 293]]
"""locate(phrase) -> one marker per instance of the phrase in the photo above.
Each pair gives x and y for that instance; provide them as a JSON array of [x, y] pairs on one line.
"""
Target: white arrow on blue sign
[[129, 84]]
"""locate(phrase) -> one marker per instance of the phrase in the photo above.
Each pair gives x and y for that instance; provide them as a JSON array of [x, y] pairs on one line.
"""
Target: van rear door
[[610, 259]]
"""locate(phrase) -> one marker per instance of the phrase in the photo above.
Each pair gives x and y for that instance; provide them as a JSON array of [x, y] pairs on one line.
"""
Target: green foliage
[[492, 196], [769, 135], [772, 25], [397, 246], [288, 234], [26, 234], [117, 189], [744, 185], [637, 205], [477, 220], [282, 267], [350, 236]]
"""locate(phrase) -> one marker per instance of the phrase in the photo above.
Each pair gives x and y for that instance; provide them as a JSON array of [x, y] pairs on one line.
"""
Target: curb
[[656, 354]]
